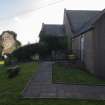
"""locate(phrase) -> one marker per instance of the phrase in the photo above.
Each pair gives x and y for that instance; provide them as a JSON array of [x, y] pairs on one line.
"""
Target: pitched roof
[[53, 29], [81, 20]]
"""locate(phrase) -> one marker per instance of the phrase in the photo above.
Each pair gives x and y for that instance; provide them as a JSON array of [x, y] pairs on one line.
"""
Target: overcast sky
[[25, 17]]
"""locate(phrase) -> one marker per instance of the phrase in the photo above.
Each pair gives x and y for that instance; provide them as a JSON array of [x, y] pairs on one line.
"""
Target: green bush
[[13, 71], [7, 62], [72, 57], [26, 52]]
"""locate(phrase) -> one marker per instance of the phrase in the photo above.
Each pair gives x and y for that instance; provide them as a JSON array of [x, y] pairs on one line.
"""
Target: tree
[[18, 44], [26, 52], [9, 42], [54, 43]]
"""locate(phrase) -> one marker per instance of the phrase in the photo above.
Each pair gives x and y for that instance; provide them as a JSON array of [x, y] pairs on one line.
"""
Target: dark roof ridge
[[89, 22], [84, 10], [69, 20], [92, 23], [86, 24], [54, 24], [99, 16], [53, 29]]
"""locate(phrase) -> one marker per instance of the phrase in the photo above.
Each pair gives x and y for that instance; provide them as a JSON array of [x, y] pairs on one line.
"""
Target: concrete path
[[44, 74], [41, 86]]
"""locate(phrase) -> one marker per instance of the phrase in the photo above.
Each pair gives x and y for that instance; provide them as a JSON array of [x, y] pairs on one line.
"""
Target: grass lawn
[[10, 90], [63, 74]]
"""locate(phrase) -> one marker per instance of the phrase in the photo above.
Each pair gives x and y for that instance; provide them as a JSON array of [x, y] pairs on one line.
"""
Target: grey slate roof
[[81, 20], [53, 29]]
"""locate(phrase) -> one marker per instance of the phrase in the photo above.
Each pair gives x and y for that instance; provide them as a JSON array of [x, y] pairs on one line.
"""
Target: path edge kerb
[[29, 81]]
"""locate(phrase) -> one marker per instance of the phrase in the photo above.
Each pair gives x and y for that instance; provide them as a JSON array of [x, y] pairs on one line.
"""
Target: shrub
[[7, 62], [26, 52], [73, 58], [13, 71]]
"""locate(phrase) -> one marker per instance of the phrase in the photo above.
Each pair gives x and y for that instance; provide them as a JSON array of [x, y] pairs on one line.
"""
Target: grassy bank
[[63, 74], [10, 89]]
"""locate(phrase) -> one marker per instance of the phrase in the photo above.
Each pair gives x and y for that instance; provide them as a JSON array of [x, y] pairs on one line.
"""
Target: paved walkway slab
[[41, 86]]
